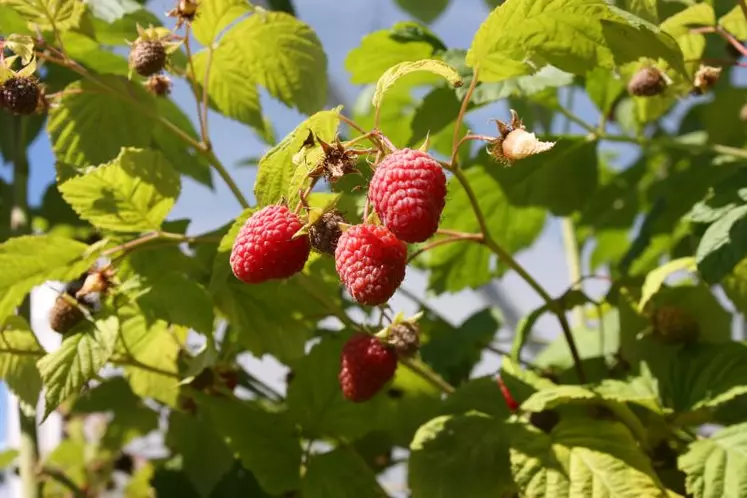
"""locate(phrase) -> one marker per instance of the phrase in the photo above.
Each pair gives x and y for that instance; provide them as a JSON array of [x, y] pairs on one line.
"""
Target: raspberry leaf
[[214, 16], [717, 465], [734, 22], [49, 14], [139, 188], [424, 11], [79, 358], [394, 73], [340, 473], [656, 278], [19, 350]]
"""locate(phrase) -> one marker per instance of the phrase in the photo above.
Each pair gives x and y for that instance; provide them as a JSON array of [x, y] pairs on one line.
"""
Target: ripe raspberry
[[325, 233], [367, 365], [20, 95], [408, 191], [265, 248], [371, 262], [148, 57], [405, 338], [673, 325], [647, 82]]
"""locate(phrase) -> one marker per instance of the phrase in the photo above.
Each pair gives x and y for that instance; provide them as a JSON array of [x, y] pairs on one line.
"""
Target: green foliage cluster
[[612, 408]]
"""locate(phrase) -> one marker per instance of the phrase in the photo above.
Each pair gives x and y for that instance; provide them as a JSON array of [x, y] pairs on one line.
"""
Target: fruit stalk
[[201, 101]]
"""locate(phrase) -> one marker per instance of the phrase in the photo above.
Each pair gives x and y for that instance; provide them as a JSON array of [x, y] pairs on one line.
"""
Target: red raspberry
[[367, 364], [408, 191], [264, 249], [371, 263]]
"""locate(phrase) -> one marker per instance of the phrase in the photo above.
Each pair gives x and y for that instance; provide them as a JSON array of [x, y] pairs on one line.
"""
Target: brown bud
[[405, 337], [325, 233], [705, 78], [673, 325], [159, 85], [148, 57], [647, 82], [65, 315]]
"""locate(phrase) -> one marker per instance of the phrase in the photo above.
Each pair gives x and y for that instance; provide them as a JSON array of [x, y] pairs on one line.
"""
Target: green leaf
[[645, 9], [132, 193], [460, 455], [194, 439], [381, 50], [19, 350], [113, 10], [723, 245], [177, 299], [284, 55], [655, 279], [340, 473], [265, 442], [276, 168], [603, 88], [7, 458], [390, 77], [456, 266], [78, 360], [717, 466], [735, 286], [582, 457], [573, 35], [31, 260], [78, 126], [215, 16], [481, 394], [231, 85], [735, 22], [424, 11], [49, 14]]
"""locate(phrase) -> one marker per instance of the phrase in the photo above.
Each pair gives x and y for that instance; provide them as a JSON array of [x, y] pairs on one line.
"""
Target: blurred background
[[340, 24]]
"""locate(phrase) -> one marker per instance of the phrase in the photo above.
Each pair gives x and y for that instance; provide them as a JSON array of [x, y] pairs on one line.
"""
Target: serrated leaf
[[573, 35], [735, 22], [79, 358], [177, 299], [265, 442], [390, 77], [655, 279], [381, 50], [460, 455], [231, 85], [340, 473], [716, 467], [582, 457], [133, 193], [723, 245], [481, 394], [75, 126], [31, 260], [112, 10], [215, 16], [194, 439], [21, 45], [276, 168], [19, 350], [645, 9], [49, 14], [285, 56]]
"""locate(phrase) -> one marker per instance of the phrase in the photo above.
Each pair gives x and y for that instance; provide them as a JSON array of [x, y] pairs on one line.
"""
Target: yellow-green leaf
[[735, 22], [49, 14], [390, 77], [19, 350], [656, 278], [215, 15]]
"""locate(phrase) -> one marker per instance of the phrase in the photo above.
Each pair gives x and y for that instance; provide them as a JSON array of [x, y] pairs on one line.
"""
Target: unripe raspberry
[[325, 233], [405, 338], [20, 95], [673, 325], [366, 366], [148, 57], [408, 191], [647, 82], [265, 248], [520, 144], [371, 262]]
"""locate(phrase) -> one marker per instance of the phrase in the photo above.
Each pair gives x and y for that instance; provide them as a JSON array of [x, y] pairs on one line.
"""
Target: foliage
[[616, 406]]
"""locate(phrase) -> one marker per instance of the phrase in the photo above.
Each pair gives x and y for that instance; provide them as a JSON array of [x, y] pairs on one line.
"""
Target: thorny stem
[[195, 89], [305, 195]]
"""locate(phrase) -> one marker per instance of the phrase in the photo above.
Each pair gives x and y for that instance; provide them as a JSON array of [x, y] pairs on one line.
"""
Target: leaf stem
[[432, 377], [460, 118], [441, 242], [201, 115], [573, 261], [132, 362]]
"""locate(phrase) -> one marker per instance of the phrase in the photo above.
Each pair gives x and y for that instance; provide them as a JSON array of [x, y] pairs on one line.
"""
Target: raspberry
[[148, 57], [367, 365], [405, 338], [265, 248], [408, 191], [325, 233], [647, 82], [673, 325], [20, 95], [371, 262]]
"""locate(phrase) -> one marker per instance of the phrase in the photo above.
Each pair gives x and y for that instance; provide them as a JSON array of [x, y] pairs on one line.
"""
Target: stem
[[575, 119], [441, 242], [19, 214], [227, 178], [132, 362], [432, 377], [352, 124], [63, 479], [460, 117], [573, 260], [193, 83]]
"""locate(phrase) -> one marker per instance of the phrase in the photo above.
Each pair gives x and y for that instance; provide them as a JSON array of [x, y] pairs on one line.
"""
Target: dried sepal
[[705, 78], [185, 12], [514, 143]]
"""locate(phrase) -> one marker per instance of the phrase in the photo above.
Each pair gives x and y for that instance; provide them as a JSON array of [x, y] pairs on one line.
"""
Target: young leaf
[[460, 455], [133, 193], [581, 457], [31, 260], [90, 125], [735, 23], [424, 11], [49, 14], [214, 16], [19, 350], [276, 168], [656, 278], [573, 35], [340, 473], [717, 466], [265, 442], [390, 77], [284, 55], [78, 360]]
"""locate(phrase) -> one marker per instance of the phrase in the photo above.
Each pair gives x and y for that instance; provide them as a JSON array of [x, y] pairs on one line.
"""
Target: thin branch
[[573, 261], [193, 83], [441, 242], [132, 362], [460, 117]]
